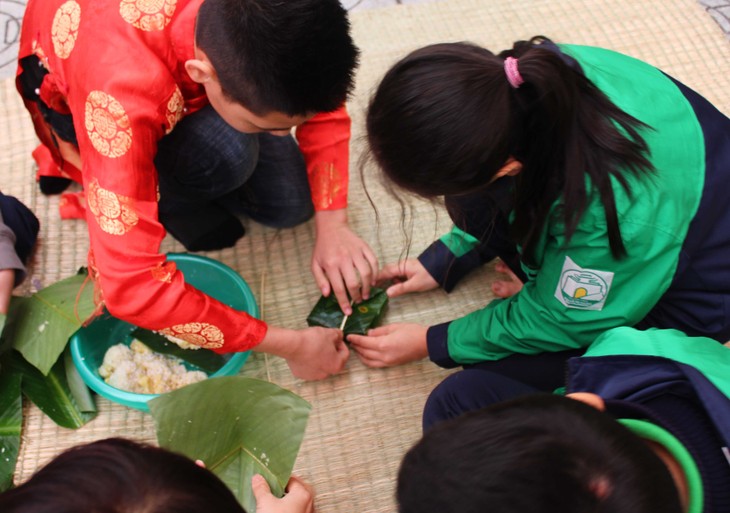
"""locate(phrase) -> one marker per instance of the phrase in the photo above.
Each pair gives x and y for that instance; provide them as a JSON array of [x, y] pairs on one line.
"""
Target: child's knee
[[290, 217]]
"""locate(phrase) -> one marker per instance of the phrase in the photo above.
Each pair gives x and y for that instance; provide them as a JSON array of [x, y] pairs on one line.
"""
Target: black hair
[[120, 476], [540, 453], [444, 120], [291, 56]]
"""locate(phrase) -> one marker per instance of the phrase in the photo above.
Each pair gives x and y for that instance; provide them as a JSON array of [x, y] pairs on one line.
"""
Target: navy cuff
[[446, 268], [438, 345]]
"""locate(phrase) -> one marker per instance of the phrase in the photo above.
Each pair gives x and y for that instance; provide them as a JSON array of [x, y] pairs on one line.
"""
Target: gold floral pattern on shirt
[[174, 109], [164, 272], [147, 15], [326, 185], [198, 333], [41, 54], [113, 212], [65, 28], [107, 125]]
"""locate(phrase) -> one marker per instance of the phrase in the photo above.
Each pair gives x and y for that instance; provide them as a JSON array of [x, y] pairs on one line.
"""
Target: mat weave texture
[[363, 419]]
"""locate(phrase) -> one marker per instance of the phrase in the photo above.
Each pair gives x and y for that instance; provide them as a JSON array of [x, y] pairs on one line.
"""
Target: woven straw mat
[[364, 419]]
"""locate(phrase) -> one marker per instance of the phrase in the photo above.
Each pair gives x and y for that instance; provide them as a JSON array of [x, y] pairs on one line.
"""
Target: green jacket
[[577, 291]]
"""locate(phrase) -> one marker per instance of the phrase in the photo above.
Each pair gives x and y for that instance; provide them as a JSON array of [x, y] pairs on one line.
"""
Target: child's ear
[[590, 399], [199, 70]]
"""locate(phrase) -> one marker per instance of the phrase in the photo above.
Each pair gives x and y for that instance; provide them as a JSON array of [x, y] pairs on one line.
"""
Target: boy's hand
[[342, 262], [408, 276], [311, 353], [299, 497], [391, 345]]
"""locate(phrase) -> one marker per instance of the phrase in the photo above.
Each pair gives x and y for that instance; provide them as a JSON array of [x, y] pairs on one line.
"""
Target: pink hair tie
[[513, 74]]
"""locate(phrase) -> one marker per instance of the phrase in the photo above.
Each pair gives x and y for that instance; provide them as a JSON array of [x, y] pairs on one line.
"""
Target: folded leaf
[[202, 359], [11, 420], [51, 393], [39, 326], [79, 391], [238, 426], [365, 315]]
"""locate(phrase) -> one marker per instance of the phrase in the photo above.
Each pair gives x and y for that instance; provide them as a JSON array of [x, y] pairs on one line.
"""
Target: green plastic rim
[[206, 274]]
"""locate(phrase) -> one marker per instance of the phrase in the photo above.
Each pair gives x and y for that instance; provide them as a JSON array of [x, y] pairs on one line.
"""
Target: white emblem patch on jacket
[[584, 289]]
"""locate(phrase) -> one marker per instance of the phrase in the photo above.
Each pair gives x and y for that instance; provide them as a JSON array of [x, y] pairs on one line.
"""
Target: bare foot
[[509, 287]]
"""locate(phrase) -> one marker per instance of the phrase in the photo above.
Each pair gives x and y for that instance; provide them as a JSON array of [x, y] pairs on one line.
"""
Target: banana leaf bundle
[[365, 315]]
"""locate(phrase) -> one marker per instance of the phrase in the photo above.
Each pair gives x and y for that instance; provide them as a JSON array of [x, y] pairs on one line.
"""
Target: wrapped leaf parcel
[[365, 315]]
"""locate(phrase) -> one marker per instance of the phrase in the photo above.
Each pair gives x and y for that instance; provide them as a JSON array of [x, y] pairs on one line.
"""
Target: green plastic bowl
[[90, 343]]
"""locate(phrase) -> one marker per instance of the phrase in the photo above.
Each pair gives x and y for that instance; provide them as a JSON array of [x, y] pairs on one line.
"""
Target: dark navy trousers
[[210, 174]]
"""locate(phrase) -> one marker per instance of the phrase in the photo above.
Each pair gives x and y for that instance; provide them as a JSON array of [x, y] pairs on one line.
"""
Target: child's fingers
[[321, 279], [343, 353], [501, 267], [297, 486], [391, 271], [374, 265], [260, 488], [300, 495], [370, 358], [339, 289], [398, 289], [372, 333]]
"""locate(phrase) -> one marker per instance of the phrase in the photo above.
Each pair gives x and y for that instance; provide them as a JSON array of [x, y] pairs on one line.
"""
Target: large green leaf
[[11, 420], [51, 393], [39, 326], [238, 426]]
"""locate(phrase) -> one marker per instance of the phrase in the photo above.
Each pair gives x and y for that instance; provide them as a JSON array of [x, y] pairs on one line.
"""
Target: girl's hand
[[391, 345], [409, 276], [299, 497]]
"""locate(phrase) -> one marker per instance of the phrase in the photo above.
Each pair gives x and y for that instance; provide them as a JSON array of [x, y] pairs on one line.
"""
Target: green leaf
[[11, 421], [4, 343], [81, 394], [238, 426], [51, 393], [39, 326], [365, 315], [203, 359]]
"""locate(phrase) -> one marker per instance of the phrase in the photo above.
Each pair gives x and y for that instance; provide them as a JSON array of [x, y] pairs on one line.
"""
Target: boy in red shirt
[[176, 116]]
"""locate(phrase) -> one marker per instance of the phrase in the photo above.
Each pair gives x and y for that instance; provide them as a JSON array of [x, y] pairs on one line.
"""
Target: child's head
[[295, 57], [120, 476], [542, 454], [445, 120]]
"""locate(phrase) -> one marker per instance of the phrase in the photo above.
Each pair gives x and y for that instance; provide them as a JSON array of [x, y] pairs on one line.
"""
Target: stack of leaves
[[365, 315], [36, 363], [238, 426]]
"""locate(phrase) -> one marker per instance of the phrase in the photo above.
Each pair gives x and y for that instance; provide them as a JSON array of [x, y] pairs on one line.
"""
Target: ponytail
[[568, 129]]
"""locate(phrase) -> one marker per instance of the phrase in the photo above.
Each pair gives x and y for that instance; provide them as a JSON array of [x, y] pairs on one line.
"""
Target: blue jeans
[[210, 174]]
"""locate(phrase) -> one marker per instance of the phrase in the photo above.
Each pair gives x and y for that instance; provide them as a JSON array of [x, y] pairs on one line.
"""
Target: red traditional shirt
[[117, 67]]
